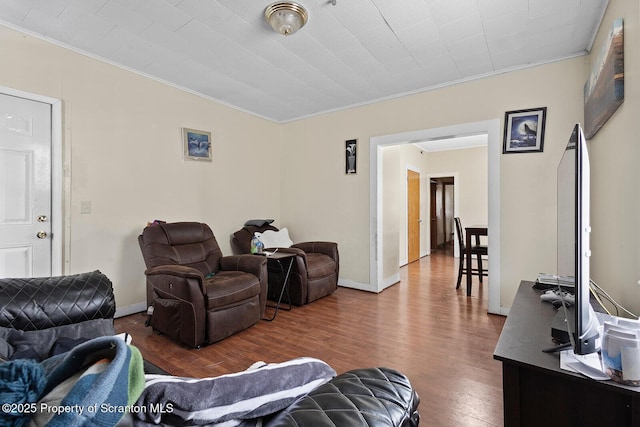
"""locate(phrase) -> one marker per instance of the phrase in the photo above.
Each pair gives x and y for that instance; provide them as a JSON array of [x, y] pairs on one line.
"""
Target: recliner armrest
[[175, 270], [290, 250], [254, 264], [328, 248], [181, 273], [36, 303]]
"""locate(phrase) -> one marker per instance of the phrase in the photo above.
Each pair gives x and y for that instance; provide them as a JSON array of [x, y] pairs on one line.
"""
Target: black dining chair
[[476, 249]]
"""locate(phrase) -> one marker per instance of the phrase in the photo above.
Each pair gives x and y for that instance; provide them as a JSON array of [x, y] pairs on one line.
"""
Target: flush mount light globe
[[286, 17]]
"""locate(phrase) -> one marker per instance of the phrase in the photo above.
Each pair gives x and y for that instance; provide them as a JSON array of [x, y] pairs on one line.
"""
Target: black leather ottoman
[[358, 398]]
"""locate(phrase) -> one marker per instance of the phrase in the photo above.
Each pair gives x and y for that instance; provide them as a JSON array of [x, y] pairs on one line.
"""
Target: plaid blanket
[[92, 385]]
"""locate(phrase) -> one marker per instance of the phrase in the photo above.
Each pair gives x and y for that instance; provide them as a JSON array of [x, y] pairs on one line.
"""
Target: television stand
[[536, 392]]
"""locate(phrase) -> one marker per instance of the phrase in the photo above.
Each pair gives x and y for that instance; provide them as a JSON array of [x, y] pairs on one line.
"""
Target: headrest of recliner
[[177, 233]]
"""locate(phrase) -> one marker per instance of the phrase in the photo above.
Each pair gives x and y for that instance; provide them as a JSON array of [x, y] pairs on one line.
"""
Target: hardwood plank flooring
[[441, 339]]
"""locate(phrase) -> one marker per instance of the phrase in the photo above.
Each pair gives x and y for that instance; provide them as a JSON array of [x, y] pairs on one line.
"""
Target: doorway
[[379, 277], [31, 202], [442, 212]]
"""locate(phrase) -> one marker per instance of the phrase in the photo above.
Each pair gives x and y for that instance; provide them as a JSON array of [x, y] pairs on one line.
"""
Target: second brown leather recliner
[[314, 274], [199, 296]]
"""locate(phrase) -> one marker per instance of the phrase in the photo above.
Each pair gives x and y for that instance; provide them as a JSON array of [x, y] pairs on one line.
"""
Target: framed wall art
[[197, 144], [604, 90], [351, 155], [524, 130]]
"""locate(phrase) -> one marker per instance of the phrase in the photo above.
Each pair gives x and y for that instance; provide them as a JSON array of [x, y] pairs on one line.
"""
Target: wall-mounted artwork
[[604, 90], [197, 144], [351, 155], [524, 130]]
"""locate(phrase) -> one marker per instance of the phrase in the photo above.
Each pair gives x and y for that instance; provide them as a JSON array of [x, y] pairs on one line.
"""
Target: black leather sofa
[[43, 316], [36, 312], [368, 397]]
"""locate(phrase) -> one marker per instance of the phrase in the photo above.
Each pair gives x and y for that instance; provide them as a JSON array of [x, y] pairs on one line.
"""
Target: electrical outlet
[[85, 207]]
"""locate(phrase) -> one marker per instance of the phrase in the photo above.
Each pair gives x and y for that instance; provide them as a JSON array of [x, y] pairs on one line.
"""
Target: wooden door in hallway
[[413, 216]]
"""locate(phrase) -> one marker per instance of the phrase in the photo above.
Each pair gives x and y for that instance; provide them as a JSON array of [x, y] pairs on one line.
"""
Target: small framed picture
[[197, 144], [351, 155], [524, 130]]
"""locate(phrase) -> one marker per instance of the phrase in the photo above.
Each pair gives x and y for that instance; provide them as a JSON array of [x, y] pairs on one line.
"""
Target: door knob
[[41, 234]]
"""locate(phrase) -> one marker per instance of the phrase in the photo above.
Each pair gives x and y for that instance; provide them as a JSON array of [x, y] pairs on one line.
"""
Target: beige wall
[[527, 180], [123, 152], [392, 188], [615, 175]]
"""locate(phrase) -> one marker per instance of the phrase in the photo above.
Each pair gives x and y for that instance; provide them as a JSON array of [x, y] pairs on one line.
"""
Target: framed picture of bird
[[524, 130], [197, 144]]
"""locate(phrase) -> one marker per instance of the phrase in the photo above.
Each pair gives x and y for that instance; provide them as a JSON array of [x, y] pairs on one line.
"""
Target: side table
[[280, 258]]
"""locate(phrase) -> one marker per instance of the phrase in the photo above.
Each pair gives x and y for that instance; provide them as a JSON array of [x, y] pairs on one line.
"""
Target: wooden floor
[[440, 338]]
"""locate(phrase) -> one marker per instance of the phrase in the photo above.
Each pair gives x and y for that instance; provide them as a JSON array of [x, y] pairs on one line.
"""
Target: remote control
[[554, 295]]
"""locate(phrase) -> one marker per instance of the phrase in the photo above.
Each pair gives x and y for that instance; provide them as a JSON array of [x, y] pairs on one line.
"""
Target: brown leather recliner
[[313, 275], [199, 296]]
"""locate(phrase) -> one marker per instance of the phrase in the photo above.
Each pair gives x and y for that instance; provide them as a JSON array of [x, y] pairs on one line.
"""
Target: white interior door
[[25, 187]]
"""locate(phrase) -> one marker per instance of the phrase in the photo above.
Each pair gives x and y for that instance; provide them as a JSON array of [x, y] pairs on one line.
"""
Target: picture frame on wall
[[524, 130], [604, 89], [351, 156], [197, 144]]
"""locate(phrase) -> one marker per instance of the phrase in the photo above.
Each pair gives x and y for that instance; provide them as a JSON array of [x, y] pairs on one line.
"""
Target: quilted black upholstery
[[43, 302], [369, 397]]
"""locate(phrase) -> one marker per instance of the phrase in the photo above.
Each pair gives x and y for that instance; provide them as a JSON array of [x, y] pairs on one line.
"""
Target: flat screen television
[[573, 241]]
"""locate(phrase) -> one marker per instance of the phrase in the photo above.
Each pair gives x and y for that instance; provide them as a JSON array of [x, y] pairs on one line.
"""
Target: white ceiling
[[353, 53], [456, 143]]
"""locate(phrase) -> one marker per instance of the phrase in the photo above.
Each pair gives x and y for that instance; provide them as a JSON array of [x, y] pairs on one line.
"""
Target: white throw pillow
[[275, 239]]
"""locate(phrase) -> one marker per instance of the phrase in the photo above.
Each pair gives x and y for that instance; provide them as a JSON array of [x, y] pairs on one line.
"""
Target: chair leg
[[480, 267], [460, 269]]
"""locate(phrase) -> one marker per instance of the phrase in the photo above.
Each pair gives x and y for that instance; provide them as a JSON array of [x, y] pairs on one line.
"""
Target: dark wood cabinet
[[537, 392]]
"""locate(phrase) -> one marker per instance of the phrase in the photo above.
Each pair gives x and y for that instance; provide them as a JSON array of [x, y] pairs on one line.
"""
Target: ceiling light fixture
[[286, 17]]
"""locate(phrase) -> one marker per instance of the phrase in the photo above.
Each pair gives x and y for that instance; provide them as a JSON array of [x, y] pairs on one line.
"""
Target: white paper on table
[[588, 365]]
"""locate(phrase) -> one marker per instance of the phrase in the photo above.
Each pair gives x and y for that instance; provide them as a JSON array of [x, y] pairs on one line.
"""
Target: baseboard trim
[[130, 309], [504, 311], [346, 283], [390, 281]]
